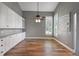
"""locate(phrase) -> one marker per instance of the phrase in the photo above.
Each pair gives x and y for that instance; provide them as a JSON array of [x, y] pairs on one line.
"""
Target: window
[[56, 26], [48, 25]]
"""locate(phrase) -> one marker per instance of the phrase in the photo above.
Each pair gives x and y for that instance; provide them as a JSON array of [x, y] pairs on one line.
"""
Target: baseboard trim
[[70, 49], [39, 38]]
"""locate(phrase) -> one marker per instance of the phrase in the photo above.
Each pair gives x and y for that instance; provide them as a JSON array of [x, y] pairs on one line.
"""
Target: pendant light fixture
[[38, 18]]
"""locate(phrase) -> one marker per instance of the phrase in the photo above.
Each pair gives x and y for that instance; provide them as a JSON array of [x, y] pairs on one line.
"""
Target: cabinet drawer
[[2, 42], [2, 46], [2, 50]]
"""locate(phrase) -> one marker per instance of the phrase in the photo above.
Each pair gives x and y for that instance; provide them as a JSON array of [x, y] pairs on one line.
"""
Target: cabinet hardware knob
[[1, 45], [1, 40]]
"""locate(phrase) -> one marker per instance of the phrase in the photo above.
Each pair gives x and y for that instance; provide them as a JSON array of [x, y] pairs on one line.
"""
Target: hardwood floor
[[39, 47]]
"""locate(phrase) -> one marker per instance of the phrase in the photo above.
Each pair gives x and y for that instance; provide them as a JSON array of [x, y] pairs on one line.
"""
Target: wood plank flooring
[[39, 47]]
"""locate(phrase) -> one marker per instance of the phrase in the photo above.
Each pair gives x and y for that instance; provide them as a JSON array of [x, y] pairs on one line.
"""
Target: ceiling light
[[38, 18]]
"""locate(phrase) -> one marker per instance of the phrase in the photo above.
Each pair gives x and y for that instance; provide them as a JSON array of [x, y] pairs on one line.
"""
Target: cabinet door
[[3, 15], [11, 19], [16, 21], [8, 43], [23, 23], [19, 22], [23, 35], [13, 40]]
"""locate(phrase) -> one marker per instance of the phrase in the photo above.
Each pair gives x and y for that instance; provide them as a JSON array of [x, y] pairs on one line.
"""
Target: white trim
[[39, 38], [70, 49], [75, 29]]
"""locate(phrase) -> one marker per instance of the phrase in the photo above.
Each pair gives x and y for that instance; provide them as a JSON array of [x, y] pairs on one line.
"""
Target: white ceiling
[[43, 6]]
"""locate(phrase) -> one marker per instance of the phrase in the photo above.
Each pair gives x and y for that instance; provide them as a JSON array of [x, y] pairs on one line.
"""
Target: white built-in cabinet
[[9, 18], [9, 42]]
